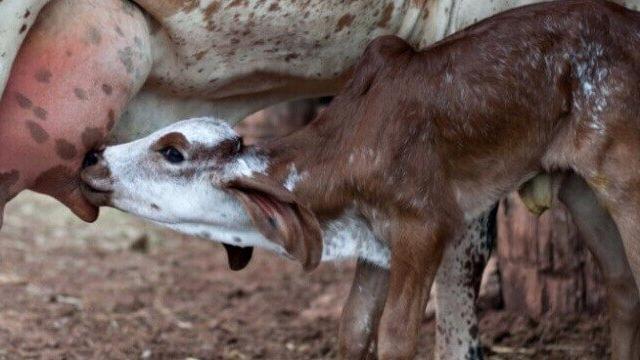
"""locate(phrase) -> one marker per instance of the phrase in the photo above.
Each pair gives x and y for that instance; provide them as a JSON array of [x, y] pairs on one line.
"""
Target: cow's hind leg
[[362, 311], [457, 284], [79, 65], [603, 240], [624, 206]]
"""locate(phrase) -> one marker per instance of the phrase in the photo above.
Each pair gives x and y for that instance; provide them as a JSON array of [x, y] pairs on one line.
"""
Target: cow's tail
[[16, 18]]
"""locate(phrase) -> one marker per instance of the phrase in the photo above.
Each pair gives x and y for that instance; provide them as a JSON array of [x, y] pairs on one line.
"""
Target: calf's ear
[[238, 257], [280, 217], [379, 52]]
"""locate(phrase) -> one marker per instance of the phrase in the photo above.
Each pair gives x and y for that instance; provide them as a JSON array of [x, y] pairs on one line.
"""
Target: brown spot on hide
[[234, 3], [175, 139], [80, 93], [94, 35], [91, 137], [211, 9], [274, 7], [58, 180], [38, 133], [23, 101], [200, 54], [126, 58], [40, 113], [225, 150], [23, 28], [189, 5], [107, 89], [65, 149], [26, 14], [386, 15], [344, 22], [43, 76]]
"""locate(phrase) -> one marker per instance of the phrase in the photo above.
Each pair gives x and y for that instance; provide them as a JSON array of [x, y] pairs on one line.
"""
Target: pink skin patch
[[70, 81]]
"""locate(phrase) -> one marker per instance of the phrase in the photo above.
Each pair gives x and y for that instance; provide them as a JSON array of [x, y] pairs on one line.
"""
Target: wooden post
[[545, 268]]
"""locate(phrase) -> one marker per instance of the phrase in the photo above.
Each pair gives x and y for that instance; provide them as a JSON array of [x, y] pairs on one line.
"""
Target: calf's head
[[197, 177]]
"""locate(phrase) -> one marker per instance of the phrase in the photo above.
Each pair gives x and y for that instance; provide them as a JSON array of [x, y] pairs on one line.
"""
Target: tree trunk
[[545, 267]]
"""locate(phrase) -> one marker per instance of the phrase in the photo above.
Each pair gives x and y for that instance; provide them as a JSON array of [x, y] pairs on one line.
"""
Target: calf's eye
[[172, 155], [239, 145]]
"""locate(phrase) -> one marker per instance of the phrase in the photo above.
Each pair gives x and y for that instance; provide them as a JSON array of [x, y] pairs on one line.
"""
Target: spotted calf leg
[[76, 70], [457, 284]]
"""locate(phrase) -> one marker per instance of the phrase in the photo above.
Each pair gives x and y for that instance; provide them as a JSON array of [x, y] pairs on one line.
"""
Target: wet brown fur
[[419, 139]]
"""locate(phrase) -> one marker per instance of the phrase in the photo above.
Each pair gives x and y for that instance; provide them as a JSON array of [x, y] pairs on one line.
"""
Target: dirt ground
[[124, 289]]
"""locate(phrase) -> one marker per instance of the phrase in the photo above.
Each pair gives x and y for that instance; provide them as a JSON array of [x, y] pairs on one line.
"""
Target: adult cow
[[73, 68]]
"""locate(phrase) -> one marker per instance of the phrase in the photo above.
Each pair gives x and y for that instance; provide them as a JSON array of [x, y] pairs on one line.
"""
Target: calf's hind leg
[[603, 240], [79, 65]]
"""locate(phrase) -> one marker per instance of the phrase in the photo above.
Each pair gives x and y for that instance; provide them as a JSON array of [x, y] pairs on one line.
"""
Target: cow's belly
[[217, 50]]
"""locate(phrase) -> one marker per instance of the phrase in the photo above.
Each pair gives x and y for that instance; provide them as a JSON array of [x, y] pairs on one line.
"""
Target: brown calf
[[419, 141]]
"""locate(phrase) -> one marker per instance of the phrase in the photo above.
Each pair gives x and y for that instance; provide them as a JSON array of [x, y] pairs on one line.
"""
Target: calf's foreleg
[[416, 251]]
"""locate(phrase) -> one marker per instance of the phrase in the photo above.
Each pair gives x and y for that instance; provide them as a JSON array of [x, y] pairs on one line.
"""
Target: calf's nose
[[92, 158]]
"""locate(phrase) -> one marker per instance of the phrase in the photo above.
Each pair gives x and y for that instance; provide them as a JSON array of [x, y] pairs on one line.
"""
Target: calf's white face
[[168, 176], [195, 176]]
